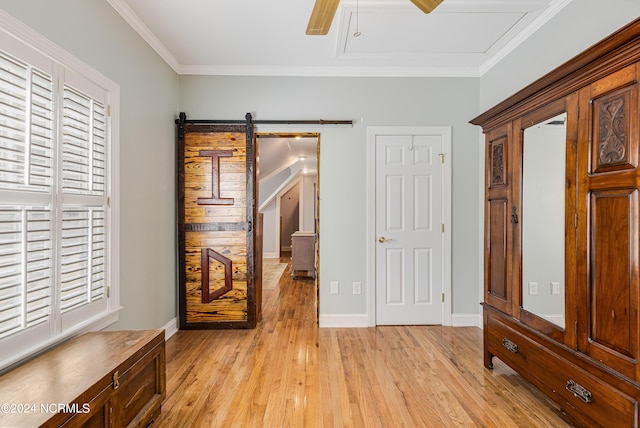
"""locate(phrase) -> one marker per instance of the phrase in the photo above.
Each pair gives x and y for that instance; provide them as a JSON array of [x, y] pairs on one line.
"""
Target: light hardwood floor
[[290, 373]]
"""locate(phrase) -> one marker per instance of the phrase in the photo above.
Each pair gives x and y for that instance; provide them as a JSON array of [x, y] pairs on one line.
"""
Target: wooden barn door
[[218, 235]]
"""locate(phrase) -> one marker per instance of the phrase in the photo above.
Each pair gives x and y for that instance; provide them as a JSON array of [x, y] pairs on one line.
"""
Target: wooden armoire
[[562, 233]]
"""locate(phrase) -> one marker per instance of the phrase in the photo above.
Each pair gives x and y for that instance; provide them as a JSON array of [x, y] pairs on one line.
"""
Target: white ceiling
[[275, 154], [267, 37]]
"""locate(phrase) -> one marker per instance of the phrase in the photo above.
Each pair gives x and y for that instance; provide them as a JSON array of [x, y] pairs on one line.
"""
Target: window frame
[[20, 41]]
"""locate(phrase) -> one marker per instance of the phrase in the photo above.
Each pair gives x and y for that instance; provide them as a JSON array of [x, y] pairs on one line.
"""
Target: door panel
[[613, 248], [409, 252]]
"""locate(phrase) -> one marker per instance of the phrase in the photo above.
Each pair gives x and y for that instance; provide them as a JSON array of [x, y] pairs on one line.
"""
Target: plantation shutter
[[26, 178], [83, 237]]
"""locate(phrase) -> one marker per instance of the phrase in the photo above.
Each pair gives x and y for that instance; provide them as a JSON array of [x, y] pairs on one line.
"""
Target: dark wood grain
[[590, 365]]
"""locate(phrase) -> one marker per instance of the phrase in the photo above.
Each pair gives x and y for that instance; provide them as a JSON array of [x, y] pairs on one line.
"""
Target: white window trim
[[19, 31]]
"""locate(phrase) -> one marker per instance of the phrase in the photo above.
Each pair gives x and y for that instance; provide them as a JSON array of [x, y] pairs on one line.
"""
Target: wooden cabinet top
[[64, 373]]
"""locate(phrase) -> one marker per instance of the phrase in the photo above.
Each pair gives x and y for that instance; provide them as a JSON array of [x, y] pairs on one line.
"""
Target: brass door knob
[[382, 240]]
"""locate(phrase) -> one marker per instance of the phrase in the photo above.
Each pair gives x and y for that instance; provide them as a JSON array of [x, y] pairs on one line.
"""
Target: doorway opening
[[287, 179]]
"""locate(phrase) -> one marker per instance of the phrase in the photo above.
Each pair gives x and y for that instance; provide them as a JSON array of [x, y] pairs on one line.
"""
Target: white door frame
[[372, 133]]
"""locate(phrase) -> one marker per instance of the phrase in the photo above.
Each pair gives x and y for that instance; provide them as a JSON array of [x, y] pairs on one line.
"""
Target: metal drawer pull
[[579, 391], [510, 345]]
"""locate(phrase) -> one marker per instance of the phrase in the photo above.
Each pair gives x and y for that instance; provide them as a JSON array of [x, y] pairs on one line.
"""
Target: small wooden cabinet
[[100, 379], [583, 352], [303, 253]]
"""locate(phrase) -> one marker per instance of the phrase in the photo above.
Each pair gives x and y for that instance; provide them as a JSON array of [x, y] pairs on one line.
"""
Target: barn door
[[219, 249]]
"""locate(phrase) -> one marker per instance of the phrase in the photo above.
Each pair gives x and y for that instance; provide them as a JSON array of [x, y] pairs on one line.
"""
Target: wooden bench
[[101, 379]]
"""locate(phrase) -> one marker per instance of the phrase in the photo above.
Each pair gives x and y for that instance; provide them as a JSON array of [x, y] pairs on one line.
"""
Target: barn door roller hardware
[[182, 120]]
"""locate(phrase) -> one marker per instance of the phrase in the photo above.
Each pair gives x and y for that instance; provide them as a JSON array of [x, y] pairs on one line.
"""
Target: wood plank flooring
[[290, 373]]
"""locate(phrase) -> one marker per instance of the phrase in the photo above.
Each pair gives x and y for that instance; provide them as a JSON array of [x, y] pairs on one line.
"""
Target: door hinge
[[575, 221], [108, 110], [443, 297], [108, 201], [442, 228], [441, 157], [108, 292]]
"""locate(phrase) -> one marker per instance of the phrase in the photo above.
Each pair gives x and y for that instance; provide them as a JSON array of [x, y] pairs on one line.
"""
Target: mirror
[[543, 219]]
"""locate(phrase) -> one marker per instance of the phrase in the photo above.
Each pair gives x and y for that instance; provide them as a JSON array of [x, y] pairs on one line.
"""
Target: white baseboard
[[362, 320], [170, 328], [344, 320], [269, 256], [466, 320]]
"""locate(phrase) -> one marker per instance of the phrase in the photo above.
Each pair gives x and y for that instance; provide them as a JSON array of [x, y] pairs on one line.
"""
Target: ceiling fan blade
[[321, 17], [426, 6]]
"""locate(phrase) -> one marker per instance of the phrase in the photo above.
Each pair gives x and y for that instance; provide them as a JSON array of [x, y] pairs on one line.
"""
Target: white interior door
[[409, 228]]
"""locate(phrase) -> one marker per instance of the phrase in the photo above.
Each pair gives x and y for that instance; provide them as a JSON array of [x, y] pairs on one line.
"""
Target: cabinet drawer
[[583, 395], [509, 345]]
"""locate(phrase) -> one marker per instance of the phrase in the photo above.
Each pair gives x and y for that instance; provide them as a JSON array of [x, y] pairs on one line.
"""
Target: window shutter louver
[[25, 268], [26, 126], [41, 130], [84, 129], [82, 259]]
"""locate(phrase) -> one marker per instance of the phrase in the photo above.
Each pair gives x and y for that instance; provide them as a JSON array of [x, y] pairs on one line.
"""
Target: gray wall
[[342, 178], [97, 35]]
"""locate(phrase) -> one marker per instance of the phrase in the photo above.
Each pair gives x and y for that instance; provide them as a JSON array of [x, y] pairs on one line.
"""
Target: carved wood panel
[[614, 107], [497, 159]]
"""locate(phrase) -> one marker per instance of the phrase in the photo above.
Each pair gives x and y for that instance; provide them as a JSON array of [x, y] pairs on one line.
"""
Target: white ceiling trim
[[364, 71], [132, 19], [554, 7]]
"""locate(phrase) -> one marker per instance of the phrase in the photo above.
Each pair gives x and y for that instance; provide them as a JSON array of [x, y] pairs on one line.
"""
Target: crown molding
[[554, 8], [351, 71], [134, 21]]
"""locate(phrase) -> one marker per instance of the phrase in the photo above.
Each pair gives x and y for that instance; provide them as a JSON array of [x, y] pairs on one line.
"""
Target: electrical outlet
[[357, 288], [335, 287], [555, 288], [533, 288]]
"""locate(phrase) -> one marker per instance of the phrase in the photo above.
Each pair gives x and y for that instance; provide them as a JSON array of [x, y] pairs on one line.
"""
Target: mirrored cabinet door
[[543, 219], [544, 196]]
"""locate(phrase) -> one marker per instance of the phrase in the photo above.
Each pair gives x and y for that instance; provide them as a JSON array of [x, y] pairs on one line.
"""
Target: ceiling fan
[[324, 10]]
